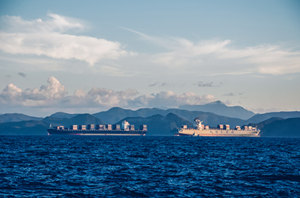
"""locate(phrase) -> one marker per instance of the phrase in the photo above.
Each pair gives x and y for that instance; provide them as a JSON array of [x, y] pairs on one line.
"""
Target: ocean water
[[72, 166]]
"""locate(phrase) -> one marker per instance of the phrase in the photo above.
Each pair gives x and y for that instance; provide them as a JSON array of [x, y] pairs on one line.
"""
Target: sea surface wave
[[77, 166]]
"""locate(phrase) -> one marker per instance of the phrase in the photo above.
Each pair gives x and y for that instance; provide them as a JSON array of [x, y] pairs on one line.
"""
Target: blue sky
[[87, 56]]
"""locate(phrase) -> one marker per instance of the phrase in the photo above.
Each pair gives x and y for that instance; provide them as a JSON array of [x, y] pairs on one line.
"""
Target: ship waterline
[[216, 132]]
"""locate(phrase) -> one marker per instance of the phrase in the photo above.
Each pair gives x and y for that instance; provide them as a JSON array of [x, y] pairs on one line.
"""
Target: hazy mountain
[[32, 127], [16, 117], [210, 119], [278, 127], [115, 114], [158, 124], [62, 115], [220, 108], [85, 119], [266, 122], [159, 121], [78, 119], [40, 127], [282, 114]]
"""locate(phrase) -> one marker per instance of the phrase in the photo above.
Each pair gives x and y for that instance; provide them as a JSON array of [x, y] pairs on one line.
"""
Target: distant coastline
[[159, 121]]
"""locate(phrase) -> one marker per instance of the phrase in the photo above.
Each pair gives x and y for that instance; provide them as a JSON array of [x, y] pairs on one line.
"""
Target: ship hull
[[218, 133], [97, 132]]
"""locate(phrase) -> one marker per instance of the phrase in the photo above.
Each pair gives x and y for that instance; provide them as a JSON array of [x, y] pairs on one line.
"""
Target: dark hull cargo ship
[[110, 130]]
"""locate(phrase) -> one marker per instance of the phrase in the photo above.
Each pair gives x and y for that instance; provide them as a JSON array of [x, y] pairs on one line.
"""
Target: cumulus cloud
[[133, 99], [44, 96], [51, 38], [54, 94], [172, 99], [10, 93], [106, 97]]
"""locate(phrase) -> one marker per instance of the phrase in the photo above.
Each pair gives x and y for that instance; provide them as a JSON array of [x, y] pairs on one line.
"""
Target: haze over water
[[35, 166]]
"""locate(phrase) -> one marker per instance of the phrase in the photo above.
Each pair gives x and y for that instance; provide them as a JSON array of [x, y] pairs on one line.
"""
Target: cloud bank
[[58, 37], [54, 94], [50, 38]]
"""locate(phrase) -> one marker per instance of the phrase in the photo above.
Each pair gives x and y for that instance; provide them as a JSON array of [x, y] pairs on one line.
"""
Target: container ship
[[221, 131], [100, 129]]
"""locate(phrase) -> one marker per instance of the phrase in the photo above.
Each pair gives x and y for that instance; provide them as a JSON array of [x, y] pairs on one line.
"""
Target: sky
[[89, 56]]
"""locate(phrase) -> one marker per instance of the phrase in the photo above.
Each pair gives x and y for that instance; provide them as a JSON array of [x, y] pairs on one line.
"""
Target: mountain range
[[282, 114], [116, 114], [16, 117], [158, 124], [220, 108], [280, 127], [159, 121]]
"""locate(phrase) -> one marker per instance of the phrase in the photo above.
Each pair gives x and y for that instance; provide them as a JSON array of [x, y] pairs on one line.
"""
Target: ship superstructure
[[222, 130], [125, 129]]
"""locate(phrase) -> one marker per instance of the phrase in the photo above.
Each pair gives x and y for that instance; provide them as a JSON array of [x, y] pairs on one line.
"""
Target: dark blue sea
[[72, 166]]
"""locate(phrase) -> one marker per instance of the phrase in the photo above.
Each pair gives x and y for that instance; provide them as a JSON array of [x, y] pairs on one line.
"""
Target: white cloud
[[53, 23], [11, 92], [133, 99], [54, 89], [44, 96], [50, 38], [54, 94], [259, 59], [106, 97], [54, 37], [172, 99], [220, 56]]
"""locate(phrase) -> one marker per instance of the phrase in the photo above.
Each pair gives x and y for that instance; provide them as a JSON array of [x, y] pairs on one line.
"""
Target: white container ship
[[221, 131]]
